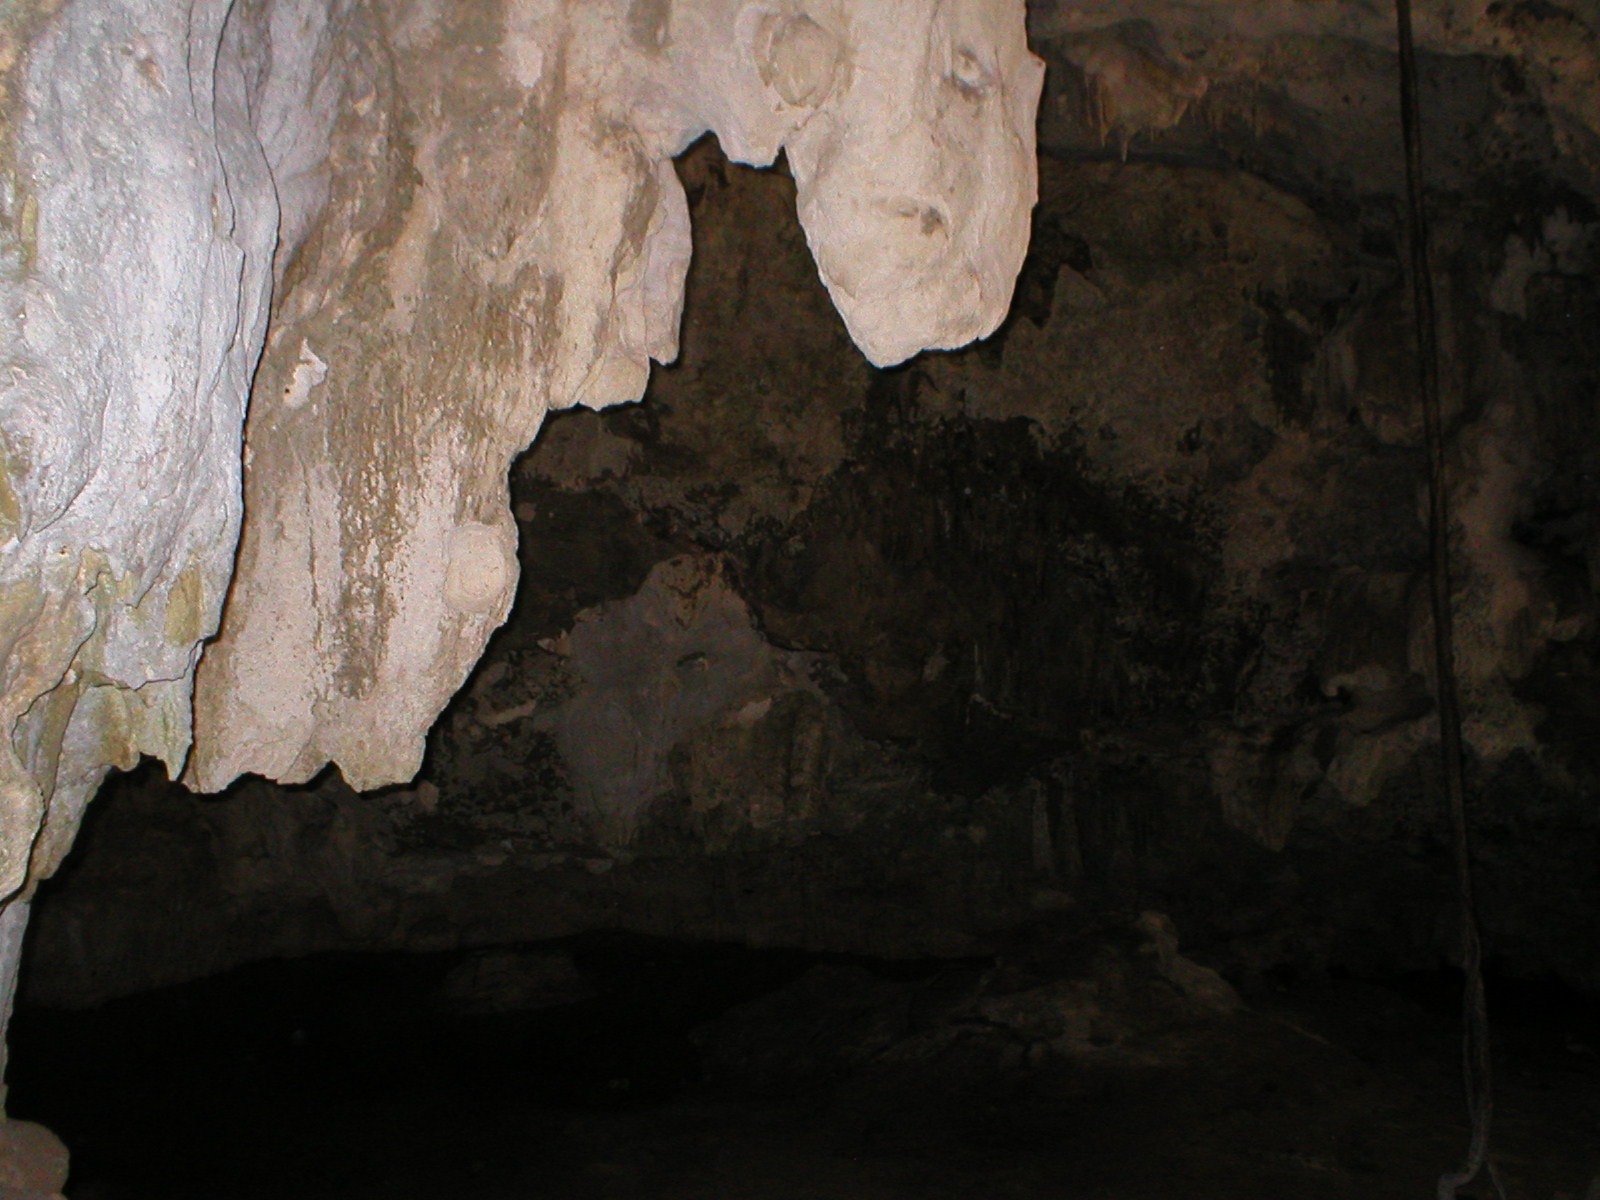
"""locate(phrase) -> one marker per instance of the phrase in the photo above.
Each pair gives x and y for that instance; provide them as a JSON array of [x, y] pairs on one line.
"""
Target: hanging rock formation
[[136, 240], [469, 217], [505, 235]]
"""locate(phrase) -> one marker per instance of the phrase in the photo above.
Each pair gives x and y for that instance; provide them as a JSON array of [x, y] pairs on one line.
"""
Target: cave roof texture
[[288, 284], [462, 216]]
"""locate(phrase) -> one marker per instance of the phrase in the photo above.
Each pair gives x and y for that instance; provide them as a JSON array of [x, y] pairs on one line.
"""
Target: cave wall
[[1118, 609], [489, 182], [463, 216], [1122, 608]]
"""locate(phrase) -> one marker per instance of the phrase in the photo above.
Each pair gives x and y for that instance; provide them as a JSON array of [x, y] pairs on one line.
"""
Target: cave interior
[[1011, 772]]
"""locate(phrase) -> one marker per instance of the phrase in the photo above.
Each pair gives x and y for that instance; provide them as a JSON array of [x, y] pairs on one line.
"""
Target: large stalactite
[[466, 217]]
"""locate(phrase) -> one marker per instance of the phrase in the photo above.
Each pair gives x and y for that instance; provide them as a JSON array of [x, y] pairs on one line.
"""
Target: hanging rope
[[1475, 1014]]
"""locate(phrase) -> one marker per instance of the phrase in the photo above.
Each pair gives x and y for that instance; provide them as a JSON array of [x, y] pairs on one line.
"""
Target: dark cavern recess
[[1011, 773]]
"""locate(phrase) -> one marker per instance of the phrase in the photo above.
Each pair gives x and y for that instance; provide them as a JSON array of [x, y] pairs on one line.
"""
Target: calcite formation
[[504, 235], [465, 215], [137, 242], [469, 216]]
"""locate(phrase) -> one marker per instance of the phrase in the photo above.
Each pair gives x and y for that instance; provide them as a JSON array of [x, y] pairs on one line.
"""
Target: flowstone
[[505, 235], [136, 229]]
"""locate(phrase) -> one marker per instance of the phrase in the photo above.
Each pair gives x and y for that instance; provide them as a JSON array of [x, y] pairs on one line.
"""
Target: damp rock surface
[[1119, 612]]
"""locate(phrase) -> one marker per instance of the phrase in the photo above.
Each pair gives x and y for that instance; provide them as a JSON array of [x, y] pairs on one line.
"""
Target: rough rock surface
[[1119, 609], [33, 1162], [504, 235], [1116, 611], [137, 239], [470, 217]]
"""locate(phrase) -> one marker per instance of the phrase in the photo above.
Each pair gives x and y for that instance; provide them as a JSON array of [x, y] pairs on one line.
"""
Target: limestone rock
[[681, 657], [135, 240], [503, 235], [915, 185]]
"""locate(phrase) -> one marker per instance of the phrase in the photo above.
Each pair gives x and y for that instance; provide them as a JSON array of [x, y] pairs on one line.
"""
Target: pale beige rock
[[916, 183], [504, 234], [136, 227]]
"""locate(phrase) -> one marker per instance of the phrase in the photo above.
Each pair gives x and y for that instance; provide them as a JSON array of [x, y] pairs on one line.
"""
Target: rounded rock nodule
[[478, 568]]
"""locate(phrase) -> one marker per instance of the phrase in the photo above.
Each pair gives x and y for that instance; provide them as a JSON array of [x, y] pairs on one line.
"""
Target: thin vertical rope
[[1475, 1016]]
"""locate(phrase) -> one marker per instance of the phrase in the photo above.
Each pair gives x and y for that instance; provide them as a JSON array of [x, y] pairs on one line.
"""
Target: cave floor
[[815, 1083]]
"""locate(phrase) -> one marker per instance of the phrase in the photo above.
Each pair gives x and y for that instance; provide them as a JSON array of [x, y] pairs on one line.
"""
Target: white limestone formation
[[504, 234], [470, 217], [135, 249]]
